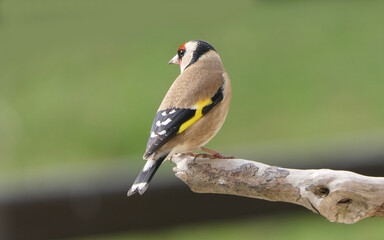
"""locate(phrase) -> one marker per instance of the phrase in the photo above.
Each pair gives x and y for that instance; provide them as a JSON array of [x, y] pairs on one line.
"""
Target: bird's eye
[[181, 53]]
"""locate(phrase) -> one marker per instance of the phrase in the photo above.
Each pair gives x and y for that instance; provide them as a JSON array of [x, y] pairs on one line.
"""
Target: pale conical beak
[[174, 60]]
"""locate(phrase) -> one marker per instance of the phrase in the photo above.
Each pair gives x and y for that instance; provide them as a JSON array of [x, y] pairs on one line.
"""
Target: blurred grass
[[80, 81], [296, 227]]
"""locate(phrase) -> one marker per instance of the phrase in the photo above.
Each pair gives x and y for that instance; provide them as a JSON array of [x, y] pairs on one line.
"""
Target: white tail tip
[[138, 187]]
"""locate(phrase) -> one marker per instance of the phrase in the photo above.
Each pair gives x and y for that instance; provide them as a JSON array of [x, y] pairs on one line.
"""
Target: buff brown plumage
[[192, 111]]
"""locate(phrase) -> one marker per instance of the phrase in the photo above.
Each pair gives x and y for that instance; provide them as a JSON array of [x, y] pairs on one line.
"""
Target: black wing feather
[[218, 97], [178, 117], [167, 123]]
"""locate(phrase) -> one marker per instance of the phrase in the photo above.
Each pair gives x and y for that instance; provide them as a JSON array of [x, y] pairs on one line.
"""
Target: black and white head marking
[[201, 48], [190, 52]]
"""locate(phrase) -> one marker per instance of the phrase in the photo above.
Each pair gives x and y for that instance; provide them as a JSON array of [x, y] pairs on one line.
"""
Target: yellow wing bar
[[198, 114]]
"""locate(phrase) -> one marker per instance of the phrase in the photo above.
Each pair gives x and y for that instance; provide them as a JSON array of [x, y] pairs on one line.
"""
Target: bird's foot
[[199, 155], [211, 154], [191, 154], [215, 154]]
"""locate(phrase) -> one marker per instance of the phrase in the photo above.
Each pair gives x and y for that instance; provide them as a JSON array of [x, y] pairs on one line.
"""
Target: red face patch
[[182, 46]]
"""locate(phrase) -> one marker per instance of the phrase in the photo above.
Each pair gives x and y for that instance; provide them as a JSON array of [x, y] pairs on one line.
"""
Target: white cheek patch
[[190, 47], [166, 121]]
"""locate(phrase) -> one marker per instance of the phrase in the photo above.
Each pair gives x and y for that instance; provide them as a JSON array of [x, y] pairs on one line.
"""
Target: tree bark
[[340, 196]]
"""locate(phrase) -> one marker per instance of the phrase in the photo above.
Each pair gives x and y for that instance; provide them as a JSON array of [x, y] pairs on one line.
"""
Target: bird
[[191, 113]]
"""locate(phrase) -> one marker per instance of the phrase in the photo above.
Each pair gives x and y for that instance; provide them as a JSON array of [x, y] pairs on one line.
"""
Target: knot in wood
[[345, 201], [321, 191]]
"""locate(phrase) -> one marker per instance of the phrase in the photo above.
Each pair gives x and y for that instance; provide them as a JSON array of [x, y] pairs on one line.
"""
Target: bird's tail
[[145, 176]]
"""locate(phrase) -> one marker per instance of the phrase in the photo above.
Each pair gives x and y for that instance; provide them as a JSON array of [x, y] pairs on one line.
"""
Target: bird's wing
[[171, 121]]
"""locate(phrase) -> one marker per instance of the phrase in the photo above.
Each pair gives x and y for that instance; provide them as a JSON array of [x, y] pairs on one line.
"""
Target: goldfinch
[[192, 111]]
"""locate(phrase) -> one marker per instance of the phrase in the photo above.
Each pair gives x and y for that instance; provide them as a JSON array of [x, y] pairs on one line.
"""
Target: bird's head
[[190, 52]]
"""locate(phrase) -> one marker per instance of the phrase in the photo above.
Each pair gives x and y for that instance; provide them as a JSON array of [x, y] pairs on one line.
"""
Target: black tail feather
[[145, 176]]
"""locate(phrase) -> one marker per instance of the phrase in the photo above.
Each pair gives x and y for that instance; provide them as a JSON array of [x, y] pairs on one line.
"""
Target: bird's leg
[[196, 155], [211, 154], [191, 154], [215, 154]]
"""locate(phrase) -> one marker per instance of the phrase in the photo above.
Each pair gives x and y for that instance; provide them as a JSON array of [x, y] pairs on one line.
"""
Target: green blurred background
[[80, 81]]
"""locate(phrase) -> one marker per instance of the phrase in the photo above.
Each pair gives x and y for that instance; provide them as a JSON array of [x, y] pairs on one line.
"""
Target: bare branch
[[340, 196]]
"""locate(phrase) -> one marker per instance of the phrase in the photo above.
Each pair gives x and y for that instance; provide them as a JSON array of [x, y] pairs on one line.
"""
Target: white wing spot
[[166, 121], [172, 112], [158, 123], [164, 113], [153, 135], [162, 132]]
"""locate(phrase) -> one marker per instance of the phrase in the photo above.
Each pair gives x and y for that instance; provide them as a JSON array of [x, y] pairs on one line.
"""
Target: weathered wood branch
[[340, 196]]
